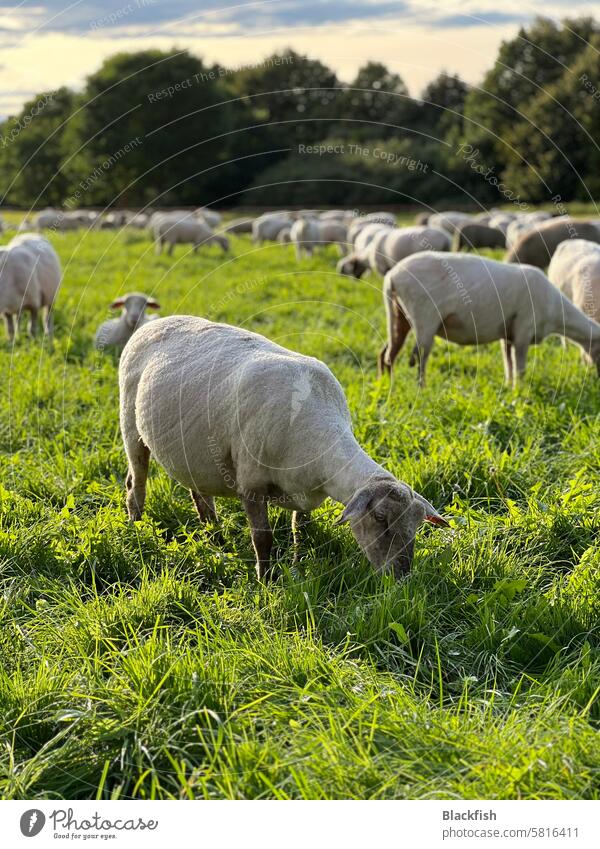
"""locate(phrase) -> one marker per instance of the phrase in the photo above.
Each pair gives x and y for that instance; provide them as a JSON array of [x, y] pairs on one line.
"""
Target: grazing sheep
[[229, 413], [266, 227], [172, 230], [212, 218], [345, 215], [284, 237], [30, 277], [360, 225], [357, 262], [475, 235], [575, 271], [502, 221], [55, 219], [522, 224], [139, 220], [310, 233], [386, 249], [239, 225], [472, 300], [449, 221], [116, 332], [536, 246]]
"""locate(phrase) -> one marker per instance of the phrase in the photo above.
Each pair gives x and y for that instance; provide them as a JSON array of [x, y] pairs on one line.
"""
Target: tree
[[150, 127], [525, 66], [443, 102], [291, 98], [559, 142], [378, 98], [31, 150]]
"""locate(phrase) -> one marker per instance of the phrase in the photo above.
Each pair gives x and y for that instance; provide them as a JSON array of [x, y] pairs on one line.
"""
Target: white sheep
[[522, 223], [382, 219], [55, 219], [284, 236], [211, 216], [388, 248], [356, 263], [171, 229], [310, 233], [30, 277], [239, 225], [502, 221], [116, 332], [229, 413], [575, 270], [472, 300], [449, 221], [266, 227]]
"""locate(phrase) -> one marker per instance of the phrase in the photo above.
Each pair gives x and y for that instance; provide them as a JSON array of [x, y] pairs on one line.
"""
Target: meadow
[[145, 660]]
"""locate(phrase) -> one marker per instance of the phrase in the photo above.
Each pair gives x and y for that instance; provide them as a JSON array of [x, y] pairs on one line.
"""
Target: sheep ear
[[357, 506], [431, 514], [152, 304], [117, 304]]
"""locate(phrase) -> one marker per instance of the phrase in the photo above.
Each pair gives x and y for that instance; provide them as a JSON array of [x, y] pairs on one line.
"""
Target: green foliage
[[148, 142], [144, 660], [31, 152]]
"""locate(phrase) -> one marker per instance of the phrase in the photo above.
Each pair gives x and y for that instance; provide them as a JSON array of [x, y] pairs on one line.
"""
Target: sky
[[48, 43]]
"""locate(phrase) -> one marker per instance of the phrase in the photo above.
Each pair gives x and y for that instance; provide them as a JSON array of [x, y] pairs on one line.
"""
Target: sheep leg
[[398, 330], [171, 248], [519, 357], [423, 349], [49, 322], [299, 521], [205, 505], [139, 458], [33, 320], [262, 536], [158, 246], [10, 326], [508, 363]]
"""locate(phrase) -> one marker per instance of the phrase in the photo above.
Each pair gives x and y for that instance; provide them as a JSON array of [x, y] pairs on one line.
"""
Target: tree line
[[165, 128]]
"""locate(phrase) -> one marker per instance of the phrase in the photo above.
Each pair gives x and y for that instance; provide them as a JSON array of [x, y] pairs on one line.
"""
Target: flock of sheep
[[228, 413]]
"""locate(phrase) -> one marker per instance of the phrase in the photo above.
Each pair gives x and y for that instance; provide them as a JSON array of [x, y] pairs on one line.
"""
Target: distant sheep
[[475, 235], [211, 216], [266, 228], [357, 262], [536, 246], [575, 271], [229, 413], [284, 236], [472, 300], [239, 225], [449, 221], [171, 230], [55, 219], [116, 332], [310, 233], [30, 277]]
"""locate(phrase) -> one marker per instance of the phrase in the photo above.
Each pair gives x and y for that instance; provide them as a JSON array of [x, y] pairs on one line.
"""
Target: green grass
[[144, 661]]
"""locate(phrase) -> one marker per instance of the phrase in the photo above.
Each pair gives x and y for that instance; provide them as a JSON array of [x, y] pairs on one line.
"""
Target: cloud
[[143, 17], [479, 19]]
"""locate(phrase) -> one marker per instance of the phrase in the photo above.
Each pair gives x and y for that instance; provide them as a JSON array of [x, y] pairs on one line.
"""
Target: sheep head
[[134, 307], [384, 516], [352, 266]]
